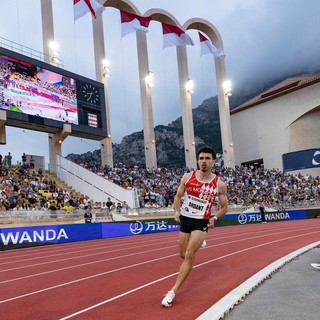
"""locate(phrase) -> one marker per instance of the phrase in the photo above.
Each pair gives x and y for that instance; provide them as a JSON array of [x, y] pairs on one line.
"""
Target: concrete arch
[[156, 14], [206, 27], [314, 110], [223, 100], [185, 96], [124, 5], [303, 132], [211, 31], [145, 90], [162, 16]]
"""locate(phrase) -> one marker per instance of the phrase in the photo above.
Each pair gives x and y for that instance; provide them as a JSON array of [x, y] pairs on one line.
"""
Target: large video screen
[[40, 96], [30, 89]]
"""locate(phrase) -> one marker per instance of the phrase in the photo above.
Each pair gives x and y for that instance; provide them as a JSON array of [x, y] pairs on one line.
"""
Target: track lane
[[149, 272], [97, 266]]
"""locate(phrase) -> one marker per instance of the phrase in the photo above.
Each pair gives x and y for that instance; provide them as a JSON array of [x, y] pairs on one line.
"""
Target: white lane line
[[79, 251], [228, 302], [118, 257], [173, 274], [93, 262], [96, 244], [141, 246], [83, 256], [82, 279], [84, 244]]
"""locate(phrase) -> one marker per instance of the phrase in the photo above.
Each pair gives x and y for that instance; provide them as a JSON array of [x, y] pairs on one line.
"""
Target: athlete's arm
[[223, 203], [179, 195], [223, 199]]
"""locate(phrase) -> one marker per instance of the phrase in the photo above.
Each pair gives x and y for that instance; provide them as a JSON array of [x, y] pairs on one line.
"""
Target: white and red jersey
[[199, 197]]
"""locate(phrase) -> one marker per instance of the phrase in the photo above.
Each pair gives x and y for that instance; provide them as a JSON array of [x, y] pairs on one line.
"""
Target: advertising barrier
[[255, 217], [21, 237]]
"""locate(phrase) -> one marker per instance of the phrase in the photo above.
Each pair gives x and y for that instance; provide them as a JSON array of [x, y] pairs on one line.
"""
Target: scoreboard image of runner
[[42, 97]]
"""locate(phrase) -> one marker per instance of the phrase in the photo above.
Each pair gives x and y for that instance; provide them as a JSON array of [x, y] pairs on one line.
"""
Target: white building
[[280, 128]]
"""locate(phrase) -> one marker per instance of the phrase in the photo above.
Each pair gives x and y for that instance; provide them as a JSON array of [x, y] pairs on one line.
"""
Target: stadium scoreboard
[[42, 97]]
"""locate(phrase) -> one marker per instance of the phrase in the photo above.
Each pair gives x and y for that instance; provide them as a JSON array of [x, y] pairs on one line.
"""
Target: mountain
[[169, 139]]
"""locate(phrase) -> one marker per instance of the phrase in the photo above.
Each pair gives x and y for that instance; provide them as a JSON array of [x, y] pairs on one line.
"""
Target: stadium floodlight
[[227, 88], [54, 51], [106, 71], [150, 79], [190, 85]]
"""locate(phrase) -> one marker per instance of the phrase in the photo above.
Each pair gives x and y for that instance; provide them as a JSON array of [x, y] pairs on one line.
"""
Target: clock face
[[90, 93]]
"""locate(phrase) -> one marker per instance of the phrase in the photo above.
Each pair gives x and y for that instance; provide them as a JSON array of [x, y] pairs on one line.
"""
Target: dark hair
[[207, 150]]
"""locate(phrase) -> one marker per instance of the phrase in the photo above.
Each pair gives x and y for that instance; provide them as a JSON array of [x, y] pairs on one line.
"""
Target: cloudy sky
[[263, 39]]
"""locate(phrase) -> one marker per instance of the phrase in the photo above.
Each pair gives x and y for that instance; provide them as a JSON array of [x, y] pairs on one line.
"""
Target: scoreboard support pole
[[48, 35], [55, 144], [3, 120]]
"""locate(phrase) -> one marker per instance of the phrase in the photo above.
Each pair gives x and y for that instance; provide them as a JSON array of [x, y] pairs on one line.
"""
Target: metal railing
[[35, 54], [27, 217], [39, 217]]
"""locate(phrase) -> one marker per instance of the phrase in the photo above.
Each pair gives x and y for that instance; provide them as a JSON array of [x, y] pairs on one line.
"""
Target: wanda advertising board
[[42, 97]]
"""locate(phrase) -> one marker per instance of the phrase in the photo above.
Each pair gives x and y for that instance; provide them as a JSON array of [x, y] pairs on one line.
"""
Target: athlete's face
[[205, 161]]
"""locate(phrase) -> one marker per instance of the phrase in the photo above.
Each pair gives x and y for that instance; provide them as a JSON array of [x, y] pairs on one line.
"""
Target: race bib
[[195, 207]]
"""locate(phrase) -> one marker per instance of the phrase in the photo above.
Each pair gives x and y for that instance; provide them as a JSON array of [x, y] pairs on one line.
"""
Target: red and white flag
[[174, 36], [131, 23], [82, 7], [207, 47]]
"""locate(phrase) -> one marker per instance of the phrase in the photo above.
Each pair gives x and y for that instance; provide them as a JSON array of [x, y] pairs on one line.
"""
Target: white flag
[[207, 47], [174, 36], [131, 23], [82, 7]]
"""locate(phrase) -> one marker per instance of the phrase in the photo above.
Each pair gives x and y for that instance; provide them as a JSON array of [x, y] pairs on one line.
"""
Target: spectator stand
[[29, 197]]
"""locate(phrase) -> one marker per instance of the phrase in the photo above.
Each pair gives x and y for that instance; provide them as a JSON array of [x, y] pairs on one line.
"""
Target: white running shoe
[[168, 299], [204, 244], [316, 265]]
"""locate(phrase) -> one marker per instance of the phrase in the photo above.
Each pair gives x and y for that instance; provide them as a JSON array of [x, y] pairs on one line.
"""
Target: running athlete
[[199, 190]]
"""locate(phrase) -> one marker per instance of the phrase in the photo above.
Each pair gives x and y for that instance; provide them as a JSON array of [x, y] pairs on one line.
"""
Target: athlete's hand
[[211, 222], [176, 216]]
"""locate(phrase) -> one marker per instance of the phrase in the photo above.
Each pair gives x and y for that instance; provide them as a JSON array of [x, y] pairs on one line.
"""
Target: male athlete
[[199, 190]]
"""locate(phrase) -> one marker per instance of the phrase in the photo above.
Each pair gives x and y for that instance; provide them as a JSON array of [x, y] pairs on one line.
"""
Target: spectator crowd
[[23, 188], [246, 185]]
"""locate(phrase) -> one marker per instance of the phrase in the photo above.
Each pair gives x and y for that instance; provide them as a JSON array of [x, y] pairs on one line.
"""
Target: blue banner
[[254, 217], [28, 235], [303, 159], [80, 232], [20, 237], [121, 229], [40, 235]]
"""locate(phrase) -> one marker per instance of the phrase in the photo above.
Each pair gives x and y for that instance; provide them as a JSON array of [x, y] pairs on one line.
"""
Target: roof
[[287, 86]]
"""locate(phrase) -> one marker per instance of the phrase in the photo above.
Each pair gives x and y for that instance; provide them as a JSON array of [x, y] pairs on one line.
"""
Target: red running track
[[126, 278]]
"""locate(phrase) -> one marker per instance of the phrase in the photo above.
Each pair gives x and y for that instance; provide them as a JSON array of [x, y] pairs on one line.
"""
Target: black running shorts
[[187, 225]]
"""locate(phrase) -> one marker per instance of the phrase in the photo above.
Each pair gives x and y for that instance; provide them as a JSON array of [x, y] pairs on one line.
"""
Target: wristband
[[214, 217]]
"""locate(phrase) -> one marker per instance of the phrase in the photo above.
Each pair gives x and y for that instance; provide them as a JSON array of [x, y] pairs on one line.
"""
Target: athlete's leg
[[195, 240], [183, 243]]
